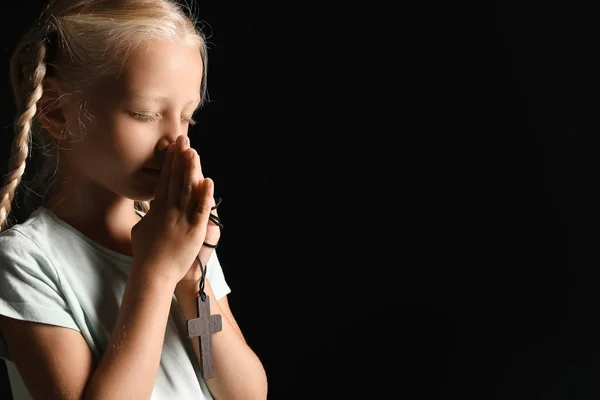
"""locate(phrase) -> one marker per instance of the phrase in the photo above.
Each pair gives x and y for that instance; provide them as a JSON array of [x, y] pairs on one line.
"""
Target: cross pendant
[[204, 326]]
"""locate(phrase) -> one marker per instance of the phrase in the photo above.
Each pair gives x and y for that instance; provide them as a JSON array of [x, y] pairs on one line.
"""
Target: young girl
[[96, 286]]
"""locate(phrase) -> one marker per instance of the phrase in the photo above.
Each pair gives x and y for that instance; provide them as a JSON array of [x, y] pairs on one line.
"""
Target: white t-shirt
[[52, 273]]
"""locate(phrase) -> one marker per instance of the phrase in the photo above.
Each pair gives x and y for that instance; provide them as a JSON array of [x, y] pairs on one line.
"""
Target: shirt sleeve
[[216, 277], [30, 287]]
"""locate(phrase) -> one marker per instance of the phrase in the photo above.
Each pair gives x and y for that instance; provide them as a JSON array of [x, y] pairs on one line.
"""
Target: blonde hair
[[78, 42]]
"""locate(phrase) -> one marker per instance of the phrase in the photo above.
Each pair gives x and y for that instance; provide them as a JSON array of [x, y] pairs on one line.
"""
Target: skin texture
[[100, 177]]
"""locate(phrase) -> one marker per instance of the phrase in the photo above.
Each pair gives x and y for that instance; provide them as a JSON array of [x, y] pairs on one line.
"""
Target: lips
[[153, 172]]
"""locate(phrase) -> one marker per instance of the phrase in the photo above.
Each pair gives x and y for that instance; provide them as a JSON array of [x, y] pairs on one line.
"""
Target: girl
[[96, 286]]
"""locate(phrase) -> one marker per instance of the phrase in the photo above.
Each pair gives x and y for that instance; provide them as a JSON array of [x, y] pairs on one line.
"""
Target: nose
[[162, 145], [167, 139]]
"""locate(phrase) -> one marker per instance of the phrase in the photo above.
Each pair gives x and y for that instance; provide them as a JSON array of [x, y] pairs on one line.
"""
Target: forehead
[[163, 69]]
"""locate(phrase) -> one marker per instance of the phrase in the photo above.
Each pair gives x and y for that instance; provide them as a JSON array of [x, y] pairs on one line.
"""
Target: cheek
[[106, 144], [132, 142], [112, 140]]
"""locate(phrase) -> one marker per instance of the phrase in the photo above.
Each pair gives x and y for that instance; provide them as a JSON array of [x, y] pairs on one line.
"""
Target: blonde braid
[[32, 88]]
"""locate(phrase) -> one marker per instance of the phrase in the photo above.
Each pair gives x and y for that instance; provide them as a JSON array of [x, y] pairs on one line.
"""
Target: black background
[[410, 193]]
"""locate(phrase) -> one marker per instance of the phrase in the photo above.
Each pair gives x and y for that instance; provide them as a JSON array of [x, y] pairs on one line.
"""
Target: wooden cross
[[203, 327]]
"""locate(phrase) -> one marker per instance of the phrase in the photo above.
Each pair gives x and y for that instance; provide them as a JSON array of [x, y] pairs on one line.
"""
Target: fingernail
[[208, 183]]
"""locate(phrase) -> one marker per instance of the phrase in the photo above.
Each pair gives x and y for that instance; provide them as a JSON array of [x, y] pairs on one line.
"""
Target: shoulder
[[28, 233], [20, 247]]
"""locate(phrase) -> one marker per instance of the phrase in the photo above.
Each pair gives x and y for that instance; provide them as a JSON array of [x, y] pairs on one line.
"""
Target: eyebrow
[[158, 99]]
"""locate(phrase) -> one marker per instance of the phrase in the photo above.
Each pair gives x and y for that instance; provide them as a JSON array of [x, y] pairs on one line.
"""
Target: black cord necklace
[[206, 324]]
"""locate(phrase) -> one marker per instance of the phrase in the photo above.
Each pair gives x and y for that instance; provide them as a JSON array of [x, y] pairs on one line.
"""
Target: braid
[[28, 89]]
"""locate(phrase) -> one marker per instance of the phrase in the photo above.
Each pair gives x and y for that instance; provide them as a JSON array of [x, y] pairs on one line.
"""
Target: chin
[[138, 198], [141, 196], [140, 191]]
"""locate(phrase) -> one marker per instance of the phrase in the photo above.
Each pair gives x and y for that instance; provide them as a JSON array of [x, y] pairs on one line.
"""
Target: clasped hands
[[193, 174], [191, 182]]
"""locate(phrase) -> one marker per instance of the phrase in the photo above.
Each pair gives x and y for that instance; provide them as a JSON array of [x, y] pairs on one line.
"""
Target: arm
[[239, 373], [56, 362], [129, 365]]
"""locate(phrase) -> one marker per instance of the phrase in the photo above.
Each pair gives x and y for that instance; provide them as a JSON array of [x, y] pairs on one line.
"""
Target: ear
[[52, 108]]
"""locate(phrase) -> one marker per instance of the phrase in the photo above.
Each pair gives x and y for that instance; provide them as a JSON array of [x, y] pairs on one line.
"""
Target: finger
[[188, 179], [197, 171], [176, 180], [201, 175], [165, 173], [196, 181], [204, 202], [197, 195]]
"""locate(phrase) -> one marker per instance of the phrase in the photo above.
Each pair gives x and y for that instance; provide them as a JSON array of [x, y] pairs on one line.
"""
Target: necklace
[[206, 324]]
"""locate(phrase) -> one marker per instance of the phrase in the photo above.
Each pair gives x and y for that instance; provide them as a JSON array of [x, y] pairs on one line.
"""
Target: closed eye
[[150, 118], [190, 120], [143, 117]]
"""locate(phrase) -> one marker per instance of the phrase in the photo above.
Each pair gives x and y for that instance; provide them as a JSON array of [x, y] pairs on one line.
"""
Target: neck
[[95, 211]]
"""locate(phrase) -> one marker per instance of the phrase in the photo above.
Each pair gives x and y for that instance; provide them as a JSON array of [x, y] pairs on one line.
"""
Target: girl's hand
[[167, 240], [195, 178]]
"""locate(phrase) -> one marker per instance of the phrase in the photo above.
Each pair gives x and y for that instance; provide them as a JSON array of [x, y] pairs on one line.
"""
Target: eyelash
[[149, 118]]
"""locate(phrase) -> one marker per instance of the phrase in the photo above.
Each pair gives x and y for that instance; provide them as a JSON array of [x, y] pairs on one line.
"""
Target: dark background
[[410, 193]]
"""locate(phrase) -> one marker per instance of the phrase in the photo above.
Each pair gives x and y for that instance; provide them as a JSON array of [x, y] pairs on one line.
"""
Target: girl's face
[[134, 117]]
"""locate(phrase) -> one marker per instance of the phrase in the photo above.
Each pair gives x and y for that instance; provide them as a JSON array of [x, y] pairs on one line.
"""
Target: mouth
[[152, 172]]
